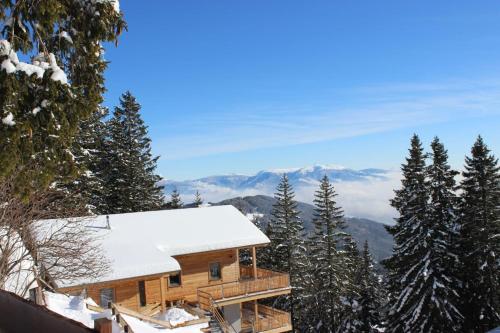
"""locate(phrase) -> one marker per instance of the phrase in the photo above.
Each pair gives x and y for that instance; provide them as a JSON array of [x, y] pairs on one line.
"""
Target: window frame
[[170, 285], [113, 297], [210, 278]]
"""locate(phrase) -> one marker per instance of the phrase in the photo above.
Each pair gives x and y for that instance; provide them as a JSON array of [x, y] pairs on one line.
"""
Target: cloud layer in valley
[[361, 193]]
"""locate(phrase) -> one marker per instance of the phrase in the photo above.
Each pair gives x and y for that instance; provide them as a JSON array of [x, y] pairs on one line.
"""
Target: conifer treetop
[[42, 102]]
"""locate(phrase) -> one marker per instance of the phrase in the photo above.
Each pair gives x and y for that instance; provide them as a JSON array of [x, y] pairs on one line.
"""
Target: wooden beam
[[256, 311], [162, 293], [254, 262], [132, 313]]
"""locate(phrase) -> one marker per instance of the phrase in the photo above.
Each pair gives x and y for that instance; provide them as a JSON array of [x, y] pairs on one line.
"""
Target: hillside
[[379, 240]]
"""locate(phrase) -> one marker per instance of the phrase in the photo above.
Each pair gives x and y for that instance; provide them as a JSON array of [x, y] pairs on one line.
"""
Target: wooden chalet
[[188, 256]]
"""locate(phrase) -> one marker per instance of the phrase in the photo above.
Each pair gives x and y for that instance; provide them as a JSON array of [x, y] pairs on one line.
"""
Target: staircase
[[214, 325]]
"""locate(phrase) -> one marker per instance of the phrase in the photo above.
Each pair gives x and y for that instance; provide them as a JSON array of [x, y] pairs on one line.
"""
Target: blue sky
[[240, 86]]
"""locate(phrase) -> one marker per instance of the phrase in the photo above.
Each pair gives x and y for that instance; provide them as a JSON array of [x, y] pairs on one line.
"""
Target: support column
[[256, 310], [254, 262], [162, 293]]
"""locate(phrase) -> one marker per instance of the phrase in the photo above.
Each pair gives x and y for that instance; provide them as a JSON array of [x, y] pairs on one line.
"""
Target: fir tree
[[366, 307], [89, 151], [287, 247], [421, 280], [327, 262], [130, 179], [198, 201], [43, 103], [480, 244], [442, 281], [175, 200]]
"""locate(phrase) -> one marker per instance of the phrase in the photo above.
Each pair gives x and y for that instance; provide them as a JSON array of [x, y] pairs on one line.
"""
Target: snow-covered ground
[[75, 307], [176, 316]]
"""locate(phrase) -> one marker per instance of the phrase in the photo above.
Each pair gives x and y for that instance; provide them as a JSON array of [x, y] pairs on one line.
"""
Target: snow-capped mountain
[[362, 193]]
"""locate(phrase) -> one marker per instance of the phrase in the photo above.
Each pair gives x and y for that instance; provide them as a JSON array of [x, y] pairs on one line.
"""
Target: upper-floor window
[[142, 293], [174, 280], [106, 295], [215, 271]]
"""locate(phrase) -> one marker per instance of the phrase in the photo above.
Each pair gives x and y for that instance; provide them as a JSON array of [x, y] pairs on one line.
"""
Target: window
[[106, 295], [142, 293], [214, 271], [174, 280]]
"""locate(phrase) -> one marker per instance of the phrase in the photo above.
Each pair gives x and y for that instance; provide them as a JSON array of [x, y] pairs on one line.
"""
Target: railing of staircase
[[206, 302]]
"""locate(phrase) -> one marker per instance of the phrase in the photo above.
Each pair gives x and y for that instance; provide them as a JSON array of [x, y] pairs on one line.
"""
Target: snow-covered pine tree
[[370, 294], [89, 151], [175, 200], [198, 201], [130, 179], [327, 263], [480, 240], [365, 306], [423, 296], [443, 282], [288, 248], [43, 102]]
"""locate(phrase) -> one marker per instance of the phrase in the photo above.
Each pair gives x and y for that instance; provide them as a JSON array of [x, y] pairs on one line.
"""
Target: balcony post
[[162, 292], [256, 311], [254, 262]]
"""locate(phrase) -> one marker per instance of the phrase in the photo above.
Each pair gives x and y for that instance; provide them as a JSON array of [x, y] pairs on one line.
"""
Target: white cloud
[[372, 110]]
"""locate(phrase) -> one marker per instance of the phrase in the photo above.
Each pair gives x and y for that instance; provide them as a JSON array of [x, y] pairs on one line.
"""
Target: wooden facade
[[194, 274]]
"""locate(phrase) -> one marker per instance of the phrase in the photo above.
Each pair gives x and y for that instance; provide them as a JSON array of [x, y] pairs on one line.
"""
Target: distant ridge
[[380, 241], [364, 192]]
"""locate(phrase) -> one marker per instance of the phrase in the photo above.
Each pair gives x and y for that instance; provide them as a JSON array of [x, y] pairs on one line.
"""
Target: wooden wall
[[194, 274]]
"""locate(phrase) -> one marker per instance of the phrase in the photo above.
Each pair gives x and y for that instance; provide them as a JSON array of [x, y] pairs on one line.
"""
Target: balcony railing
[[247, 285], [268, 319]]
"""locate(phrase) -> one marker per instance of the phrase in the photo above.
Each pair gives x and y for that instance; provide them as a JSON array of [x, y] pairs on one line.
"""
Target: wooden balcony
[[265, 284], [269, 320]]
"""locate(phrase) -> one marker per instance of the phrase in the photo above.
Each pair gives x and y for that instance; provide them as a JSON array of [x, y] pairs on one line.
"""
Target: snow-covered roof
[[146, 243]]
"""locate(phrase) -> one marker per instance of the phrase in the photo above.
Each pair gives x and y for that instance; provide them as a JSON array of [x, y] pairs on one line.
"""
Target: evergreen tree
[[328, 267], [287, 247], [365, 314], [480, 230], [43, 102], [130, 179], [443, 282], [198, 201], [175, 200], [89, 151], [421, 297]]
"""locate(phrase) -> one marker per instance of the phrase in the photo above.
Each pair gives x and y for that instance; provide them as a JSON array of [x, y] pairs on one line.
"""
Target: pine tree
[[43, 102], [480, 244], [130, 179], [198, 201], [421, 297], [287, 247], [175, 200], [89, 151], [368, 303], [443, 283], [327, 262]]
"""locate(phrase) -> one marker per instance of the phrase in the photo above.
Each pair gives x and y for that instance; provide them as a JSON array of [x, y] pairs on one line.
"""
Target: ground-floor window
[[174, 280], [106, 295]]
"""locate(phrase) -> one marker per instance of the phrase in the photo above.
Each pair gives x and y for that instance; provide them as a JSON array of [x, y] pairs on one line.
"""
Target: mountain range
[[362, 193], [379, 240]]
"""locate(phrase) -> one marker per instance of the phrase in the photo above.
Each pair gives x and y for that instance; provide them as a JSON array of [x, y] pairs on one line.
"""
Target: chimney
[[108, 226], [103, 325]]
